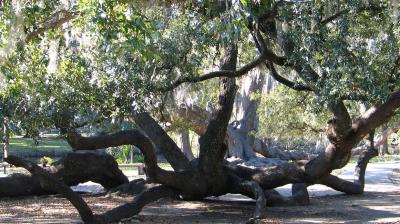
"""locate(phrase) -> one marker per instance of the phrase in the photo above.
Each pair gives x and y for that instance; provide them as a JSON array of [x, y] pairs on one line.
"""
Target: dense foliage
[[106, 57]]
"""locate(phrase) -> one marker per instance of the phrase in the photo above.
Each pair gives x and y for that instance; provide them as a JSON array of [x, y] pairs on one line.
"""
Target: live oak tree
[[119, 60]]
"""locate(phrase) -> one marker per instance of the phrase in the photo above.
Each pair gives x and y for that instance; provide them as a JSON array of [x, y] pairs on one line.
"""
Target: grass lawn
[[48, 146]]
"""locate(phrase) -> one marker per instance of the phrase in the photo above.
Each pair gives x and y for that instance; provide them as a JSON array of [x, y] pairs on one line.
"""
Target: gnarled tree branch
[[50, 182], [284, 81]]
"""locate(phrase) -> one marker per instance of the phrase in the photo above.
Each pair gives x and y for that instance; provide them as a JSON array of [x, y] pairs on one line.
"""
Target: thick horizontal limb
[[129, 137]]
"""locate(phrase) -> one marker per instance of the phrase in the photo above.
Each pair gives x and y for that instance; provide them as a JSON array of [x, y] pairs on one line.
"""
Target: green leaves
[[351, 51], [117, 54], [285, 113]]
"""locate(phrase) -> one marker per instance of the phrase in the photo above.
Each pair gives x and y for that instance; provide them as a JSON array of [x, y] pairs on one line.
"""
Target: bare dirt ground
[[372, 207], [379, 204]]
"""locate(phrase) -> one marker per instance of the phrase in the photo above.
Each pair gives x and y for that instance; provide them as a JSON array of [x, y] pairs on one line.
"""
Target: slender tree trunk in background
[[6, 137], [384, 149], [184, 142], [379, 141], [131, 154]]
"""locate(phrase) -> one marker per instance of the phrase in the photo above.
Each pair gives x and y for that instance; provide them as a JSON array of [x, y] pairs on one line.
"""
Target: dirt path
[[380, 204]]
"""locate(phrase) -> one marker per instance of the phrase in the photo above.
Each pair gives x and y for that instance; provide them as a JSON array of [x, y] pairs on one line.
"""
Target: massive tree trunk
[[71, 170], [209, 175], [246, 115], [241, 142], [205, 176]]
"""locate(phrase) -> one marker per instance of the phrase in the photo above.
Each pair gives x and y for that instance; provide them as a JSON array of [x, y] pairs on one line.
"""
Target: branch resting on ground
[[48, 181]]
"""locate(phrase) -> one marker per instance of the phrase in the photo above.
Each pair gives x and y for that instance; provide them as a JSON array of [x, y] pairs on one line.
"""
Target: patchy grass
[[385, 158]]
